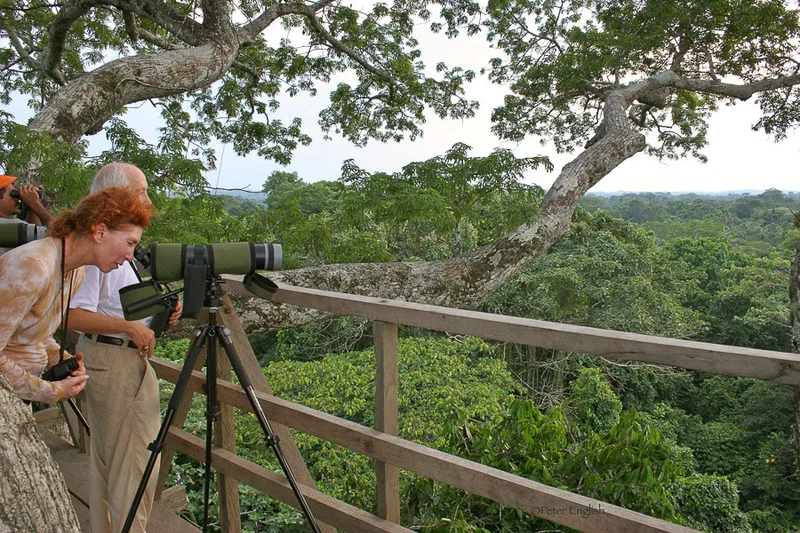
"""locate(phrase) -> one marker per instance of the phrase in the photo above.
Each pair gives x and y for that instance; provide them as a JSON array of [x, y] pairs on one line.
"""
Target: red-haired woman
[[38, 279]]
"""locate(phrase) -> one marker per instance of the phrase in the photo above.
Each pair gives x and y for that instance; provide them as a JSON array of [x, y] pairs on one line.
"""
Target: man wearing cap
[[123, 404], [28, 195], [10, 206]]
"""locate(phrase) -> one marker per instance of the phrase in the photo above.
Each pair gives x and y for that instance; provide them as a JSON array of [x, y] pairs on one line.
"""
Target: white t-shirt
[[99, 293]]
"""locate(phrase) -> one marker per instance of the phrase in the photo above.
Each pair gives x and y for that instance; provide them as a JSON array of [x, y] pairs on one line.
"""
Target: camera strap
[[64, 309]]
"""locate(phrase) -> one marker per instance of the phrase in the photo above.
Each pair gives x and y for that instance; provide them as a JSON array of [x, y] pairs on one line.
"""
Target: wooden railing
[[392, 453]]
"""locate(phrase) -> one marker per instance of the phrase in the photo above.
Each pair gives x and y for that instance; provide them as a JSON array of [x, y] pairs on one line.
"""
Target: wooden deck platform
[[75, 466]]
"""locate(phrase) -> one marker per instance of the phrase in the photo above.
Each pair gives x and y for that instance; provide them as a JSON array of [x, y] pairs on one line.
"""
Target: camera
[[16, 234], [61, 370]]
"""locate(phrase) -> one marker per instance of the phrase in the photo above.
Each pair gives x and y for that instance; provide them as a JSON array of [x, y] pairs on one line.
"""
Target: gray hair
[[111, 175]]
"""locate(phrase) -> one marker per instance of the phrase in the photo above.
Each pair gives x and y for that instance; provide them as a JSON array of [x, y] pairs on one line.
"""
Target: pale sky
[[738, 158]]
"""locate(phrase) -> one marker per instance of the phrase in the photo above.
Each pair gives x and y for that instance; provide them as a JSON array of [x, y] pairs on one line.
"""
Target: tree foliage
[[564, 58]]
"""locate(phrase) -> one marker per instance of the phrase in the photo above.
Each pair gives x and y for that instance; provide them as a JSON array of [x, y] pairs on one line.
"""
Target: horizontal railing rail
[[778, 367]]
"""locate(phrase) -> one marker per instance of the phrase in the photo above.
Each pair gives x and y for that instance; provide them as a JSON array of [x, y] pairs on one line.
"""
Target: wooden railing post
[[388, 475], [80, 439], [225, 437]]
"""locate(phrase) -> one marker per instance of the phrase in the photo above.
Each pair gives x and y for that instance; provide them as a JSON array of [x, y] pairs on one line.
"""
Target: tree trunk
[[33, 494]]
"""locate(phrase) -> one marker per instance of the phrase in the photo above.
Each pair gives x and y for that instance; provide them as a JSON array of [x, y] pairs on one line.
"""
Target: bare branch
[[243, 189], [248, 69], [251, 29], [175, 23], [19, 47], [155, 40], [59, 28], [340, 46]]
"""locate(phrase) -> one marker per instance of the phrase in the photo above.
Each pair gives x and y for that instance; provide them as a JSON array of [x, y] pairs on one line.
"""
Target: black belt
[[105, 339]]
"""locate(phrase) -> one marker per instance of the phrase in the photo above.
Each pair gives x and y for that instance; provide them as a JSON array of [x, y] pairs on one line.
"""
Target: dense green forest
[[711, 452]]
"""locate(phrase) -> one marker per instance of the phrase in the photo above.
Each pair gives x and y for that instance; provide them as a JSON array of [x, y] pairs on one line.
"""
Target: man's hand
[[143, 337], [29, 195], [176, 314]]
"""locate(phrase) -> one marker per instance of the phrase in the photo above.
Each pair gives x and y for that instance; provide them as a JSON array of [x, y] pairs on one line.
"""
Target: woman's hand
[[81, 370], [72, 385]]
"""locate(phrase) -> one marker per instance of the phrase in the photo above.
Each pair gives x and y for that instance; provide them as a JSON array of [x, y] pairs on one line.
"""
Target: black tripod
[[212, 333]]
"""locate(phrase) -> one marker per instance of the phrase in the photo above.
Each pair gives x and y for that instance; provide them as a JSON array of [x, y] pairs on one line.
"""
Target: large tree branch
[[85, 104], [22, 52], [742, 91], [173, 22], [216, 17], [466, 281], [63, 21], [310, 13], [272, 14]]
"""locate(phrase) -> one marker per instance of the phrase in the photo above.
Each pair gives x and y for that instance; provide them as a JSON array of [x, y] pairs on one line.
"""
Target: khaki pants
[[124, 414]]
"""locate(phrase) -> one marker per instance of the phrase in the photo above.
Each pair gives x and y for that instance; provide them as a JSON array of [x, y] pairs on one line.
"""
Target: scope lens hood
[[260, 286]]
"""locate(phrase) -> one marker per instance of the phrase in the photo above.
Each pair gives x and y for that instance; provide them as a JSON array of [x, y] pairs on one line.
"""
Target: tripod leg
[[78, 413], [212, 410], [272, 440], [155, 447]]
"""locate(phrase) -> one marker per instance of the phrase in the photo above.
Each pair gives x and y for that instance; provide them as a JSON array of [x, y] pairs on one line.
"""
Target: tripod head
[[210, 297]]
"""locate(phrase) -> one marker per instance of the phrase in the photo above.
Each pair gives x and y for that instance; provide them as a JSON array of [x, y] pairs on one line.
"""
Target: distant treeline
[[760, 222]]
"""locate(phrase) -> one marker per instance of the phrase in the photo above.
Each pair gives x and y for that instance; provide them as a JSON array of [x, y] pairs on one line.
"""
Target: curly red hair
[[114, 207]]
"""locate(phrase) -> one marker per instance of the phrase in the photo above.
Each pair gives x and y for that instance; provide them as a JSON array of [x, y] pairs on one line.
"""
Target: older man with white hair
[[123, 402]]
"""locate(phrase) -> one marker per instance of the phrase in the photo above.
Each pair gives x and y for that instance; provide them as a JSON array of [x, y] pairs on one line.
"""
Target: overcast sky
[[738, 158]]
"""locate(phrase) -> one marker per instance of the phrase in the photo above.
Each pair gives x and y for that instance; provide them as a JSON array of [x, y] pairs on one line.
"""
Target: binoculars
[[39, 191]]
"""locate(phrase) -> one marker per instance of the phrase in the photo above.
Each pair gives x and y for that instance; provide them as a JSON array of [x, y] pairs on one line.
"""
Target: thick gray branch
[[22, 52], [272, 14], [33, 494], [216, 17], [85, 104], [743, 91]]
